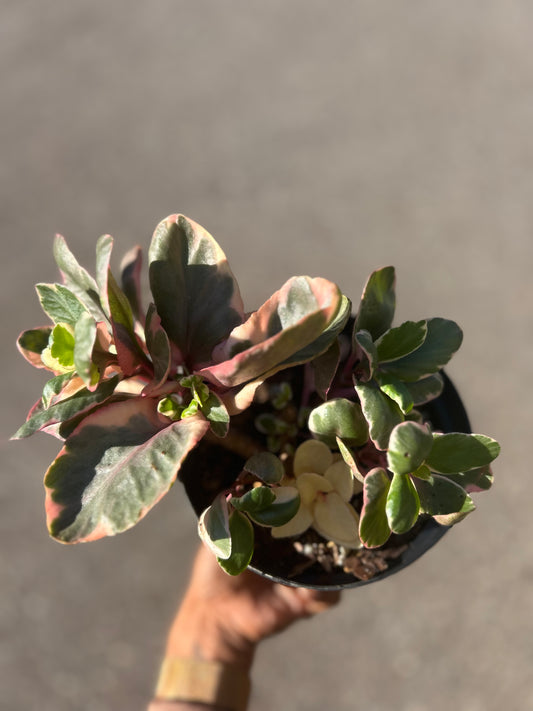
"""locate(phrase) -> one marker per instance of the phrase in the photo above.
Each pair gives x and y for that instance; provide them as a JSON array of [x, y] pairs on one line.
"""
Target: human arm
[[222, 619]]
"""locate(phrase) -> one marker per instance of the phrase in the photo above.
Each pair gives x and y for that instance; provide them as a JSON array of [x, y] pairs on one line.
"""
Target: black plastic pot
[[446, 414]]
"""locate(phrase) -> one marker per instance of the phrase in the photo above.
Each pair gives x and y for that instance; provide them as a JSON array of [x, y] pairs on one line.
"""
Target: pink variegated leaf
[[292, 319], [32, 343], [159, 349], [82, 401], [129, 351], [117, 464], [130, 275], [195, 292]]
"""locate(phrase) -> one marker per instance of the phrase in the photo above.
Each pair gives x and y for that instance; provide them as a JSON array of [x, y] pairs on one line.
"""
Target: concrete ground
[[308, 137]]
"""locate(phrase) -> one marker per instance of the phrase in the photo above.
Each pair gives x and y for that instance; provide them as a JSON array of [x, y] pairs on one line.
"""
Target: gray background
[[307, 137]]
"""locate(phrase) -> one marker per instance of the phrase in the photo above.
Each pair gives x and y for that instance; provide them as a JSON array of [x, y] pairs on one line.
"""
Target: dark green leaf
[[265, 466], [119, 462], [438, 496], [324, 368], [194, 290], [339, 418], [381, 413], [281, 510], [258, 498], [378, 303], [443, 339], [400, 341], [409, 445], [129, 352], [374, 529], [403, 504], [366, 356], [158, 347], [242, 545], [458, 452], [130, 274]]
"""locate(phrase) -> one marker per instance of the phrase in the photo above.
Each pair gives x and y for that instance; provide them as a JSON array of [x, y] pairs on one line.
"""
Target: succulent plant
[[134, 391], [366, 439]]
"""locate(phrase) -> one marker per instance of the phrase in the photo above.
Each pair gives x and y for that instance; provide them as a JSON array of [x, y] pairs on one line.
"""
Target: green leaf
[[59, 303], [409, 445], [278, 334], [77, 279], [84, 338], [458, 452], [62, 345], [402, 340], [374, 529], [119, 462], [282, 510], [397, 391], [381, 413], [438, 496], [443, 339], [104, 247], [32, 343], [54, 386], [403, 504], [82, 401], [214, 409], [242, 545], [258, 498], [378, 303], [194, 290], [427, 389], [339, 418], [213, 528], [349, 460], [265, 466], [366, 355]]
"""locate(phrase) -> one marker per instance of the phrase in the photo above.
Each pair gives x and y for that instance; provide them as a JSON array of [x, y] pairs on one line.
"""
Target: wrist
[[196, 635]]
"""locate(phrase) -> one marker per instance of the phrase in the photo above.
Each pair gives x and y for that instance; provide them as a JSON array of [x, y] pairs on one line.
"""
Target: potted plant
[[302, 434]]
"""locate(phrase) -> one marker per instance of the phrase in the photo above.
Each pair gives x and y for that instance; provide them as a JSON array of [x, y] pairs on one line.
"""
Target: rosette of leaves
[[394, 370], [134, 391]]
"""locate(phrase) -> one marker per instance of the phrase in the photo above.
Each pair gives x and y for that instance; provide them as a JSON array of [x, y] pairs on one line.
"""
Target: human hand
[[222, 618]]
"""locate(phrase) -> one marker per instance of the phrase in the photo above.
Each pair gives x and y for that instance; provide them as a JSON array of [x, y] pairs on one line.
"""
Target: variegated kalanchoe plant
[[134, 391]]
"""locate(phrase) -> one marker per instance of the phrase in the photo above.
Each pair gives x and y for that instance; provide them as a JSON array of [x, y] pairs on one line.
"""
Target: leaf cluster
[[133, 391], [394, 370]]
